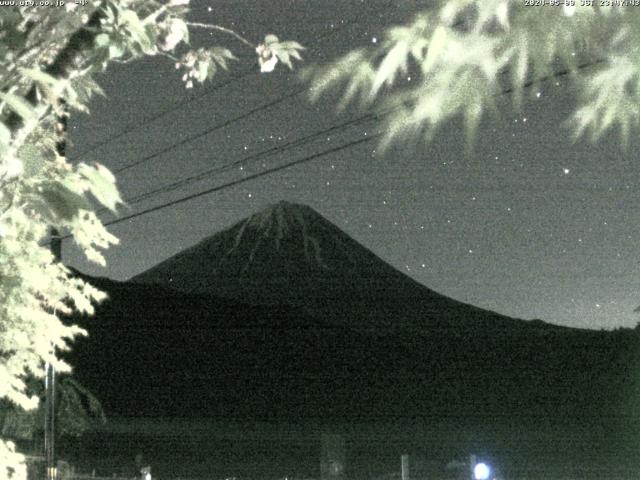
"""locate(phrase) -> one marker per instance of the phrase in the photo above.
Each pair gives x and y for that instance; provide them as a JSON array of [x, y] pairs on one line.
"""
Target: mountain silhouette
[[285, 317], [289, 303], [290, 254]]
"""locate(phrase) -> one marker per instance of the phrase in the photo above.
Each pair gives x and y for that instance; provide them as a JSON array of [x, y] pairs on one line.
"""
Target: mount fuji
[[285, 317], [290, 254]]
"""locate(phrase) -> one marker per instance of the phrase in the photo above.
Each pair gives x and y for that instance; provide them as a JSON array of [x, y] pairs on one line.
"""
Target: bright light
[[481, 471]]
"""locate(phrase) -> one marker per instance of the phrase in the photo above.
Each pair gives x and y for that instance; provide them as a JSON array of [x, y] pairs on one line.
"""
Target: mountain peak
[[281, 219], [290, 254]]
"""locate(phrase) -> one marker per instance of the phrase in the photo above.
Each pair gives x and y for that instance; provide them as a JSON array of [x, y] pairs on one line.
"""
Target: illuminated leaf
[[19, 105], [437, 45], [102, 184]]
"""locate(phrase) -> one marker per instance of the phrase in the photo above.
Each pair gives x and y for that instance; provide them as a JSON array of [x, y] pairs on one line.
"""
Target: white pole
[[404, 461]]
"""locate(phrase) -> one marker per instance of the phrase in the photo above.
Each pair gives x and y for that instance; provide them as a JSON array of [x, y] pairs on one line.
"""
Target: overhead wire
[[300, 161], [316, 155], [205, 132], [234, 182], [299, 142], [178, 105], [274, 150], [251, 158], [244, 179]]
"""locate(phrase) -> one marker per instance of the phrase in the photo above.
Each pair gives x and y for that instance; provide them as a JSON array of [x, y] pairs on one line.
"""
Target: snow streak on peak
[[278, 222]]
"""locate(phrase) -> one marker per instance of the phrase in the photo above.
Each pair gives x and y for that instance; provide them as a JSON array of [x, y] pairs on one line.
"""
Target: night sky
[[530, 224]]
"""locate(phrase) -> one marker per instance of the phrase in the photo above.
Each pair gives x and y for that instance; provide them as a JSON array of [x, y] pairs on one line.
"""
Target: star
[[566, 171]]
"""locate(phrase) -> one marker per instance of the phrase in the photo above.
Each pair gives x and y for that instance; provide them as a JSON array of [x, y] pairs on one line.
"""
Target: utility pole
[[49, 422], [50, 387], [50, 372]]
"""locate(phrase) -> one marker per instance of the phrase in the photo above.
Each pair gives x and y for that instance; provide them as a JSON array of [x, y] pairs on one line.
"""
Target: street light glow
[[481, 471]]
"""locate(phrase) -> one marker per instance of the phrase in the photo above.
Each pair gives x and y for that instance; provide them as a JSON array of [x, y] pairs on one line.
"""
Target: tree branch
[[224, 30], [79, 42]]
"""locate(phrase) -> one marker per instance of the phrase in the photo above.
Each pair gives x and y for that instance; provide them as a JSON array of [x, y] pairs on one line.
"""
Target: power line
[[212, 129], [207, 131], [316, 155], [234, 182], [320, 154], [131, 127], [244, 161], [176, 106], [243, 180], [292, 95]]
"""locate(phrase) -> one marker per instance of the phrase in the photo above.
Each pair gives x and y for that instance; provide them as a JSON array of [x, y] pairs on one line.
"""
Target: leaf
[[270, 39], [203, 69], [85, 87], [102, 40], [32, 159], [436, 47], [136, 28], [179, 25], [102, 184], [472, 115], [5, 135], [61, 202], [393, 63], [39, 76], [325, 78], [116, 50], [19, 105], [220, 55], [502, 14], [285, 50], [283, 56], [521, 65], [291, 45]]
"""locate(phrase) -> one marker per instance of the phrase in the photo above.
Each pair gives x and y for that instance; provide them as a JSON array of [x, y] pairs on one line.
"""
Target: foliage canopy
[[455, 59], [48, 57]]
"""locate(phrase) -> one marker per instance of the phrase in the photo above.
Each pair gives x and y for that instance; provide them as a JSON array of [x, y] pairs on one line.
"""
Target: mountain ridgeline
[[289, 254], [284, 316]]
